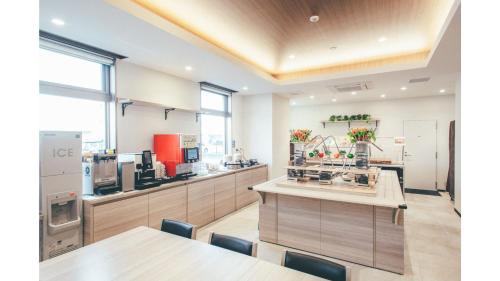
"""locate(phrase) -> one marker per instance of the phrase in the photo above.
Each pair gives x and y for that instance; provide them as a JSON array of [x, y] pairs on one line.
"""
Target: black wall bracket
[[167, 110], [198, 114], [124, 105]]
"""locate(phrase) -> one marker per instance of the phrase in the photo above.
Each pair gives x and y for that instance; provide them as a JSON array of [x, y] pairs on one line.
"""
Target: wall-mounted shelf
[[348, 122], [128, 102]]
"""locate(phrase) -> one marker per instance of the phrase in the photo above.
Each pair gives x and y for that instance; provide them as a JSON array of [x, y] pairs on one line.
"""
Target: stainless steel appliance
[[144, 168], [60, 192], [100, 175], [126, 171]]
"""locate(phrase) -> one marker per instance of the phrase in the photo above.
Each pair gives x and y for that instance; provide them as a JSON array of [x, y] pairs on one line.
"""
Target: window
[[75, 94], [215, 123]]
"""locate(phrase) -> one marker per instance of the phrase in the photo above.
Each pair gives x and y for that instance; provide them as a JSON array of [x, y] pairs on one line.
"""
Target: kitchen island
[[360, 228]]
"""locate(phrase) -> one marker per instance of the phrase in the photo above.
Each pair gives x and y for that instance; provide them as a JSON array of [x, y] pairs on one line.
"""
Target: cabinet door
[[244, 196], [225, 195], [116, 217], [299, 223], [167, 204], [347, 231], [201, 202], [259, 175]]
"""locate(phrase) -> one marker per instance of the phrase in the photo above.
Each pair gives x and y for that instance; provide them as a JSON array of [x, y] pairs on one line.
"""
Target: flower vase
[[362, 154]]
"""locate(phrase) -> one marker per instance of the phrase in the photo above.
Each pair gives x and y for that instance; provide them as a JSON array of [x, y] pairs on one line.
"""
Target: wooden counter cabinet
[[225, 196], [246, 179], [200, 202], [106, 220], [167, 204]]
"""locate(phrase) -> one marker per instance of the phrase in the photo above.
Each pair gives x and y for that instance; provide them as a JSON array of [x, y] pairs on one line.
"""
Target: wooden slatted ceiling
[[266, 32]]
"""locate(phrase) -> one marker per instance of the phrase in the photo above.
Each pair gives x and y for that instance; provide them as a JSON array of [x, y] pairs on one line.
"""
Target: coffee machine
[[177, 152], [100, 175], [60, 192], [145, 168]]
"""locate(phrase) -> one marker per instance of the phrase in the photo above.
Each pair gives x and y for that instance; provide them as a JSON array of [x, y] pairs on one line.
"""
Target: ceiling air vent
[[351, 87], [419, 80]]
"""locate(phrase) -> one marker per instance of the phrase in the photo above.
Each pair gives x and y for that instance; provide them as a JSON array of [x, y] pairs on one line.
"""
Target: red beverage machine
[[176, 152]]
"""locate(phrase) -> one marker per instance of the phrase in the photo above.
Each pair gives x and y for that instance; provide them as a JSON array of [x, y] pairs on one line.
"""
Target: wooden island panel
[[268, 219], [367, 230], [347, 231], [389, 240], [167, 204], [299, 222]]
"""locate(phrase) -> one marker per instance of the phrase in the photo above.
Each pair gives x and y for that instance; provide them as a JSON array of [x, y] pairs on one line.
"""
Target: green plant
[[332, 118], [361, 134]]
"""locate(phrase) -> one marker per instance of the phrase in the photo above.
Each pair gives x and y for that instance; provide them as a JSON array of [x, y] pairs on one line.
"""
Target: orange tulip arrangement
[[300, 135], [361, 134]]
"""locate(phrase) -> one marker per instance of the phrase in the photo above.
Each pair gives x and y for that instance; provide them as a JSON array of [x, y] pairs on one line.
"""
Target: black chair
[[316, 266], [234, 244], [179, 228]]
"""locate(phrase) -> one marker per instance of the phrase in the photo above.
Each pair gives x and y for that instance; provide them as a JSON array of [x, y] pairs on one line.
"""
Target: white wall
[[257, 128], [135, 130], [237, 121], [458, 144], [280, 135], [145, 84], [265, 130], [391, 113]]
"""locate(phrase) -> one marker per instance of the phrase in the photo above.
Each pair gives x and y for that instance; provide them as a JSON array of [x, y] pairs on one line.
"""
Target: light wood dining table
[[147, 254]]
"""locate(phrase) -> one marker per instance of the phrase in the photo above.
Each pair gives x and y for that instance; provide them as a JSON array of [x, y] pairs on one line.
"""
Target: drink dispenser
[[62, 212]]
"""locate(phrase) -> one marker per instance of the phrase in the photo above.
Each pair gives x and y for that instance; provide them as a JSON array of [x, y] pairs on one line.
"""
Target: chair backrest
[[316, 266], [179, 228], [234, 244]]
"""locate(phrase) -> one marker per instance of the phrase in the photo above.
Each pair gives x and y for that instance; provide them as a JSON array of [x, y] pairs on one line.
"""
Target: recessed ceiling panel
[[278, 37]]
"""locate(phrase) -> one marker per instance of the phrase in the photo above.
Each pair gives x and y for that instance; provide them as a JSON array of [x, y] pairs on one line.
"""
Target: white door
[[420, 154]]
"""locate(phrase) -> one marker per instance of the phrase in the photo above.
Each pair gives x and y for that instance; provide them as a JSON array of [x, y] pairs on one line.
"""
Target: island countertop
[[388, 192]]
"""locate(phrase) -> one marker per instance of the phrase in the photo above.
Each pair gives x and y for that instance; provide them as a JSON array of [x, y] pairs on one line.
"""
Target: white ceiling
[[97, 23]]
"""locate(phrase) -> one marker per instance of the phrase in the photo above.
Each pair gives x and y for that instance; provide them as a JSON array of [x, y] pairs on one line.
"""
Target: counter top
[[339, 162], [100, 199], [388, 192]]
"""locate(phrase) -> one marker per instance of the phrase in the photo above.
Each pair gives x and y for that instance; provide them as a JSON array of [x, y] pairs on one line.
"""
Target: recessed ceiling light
[[442, 90], [58, 22], [403, 88], [382, 39], [314, 18], [245, 88], [188, 68], [311, 97], [294, 103], [292, 56], [382, 96], [334, 100], [353, 93]]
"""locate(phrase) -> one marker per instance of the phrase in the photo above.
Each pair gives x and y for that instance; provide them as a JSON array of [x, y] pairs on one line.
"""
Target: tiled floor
[[432, 240]]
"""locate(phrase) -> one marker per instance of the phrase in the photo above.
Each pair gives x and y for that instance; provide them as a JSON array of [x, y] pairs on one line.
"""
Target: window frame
[[106, 94], [226, 113]]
